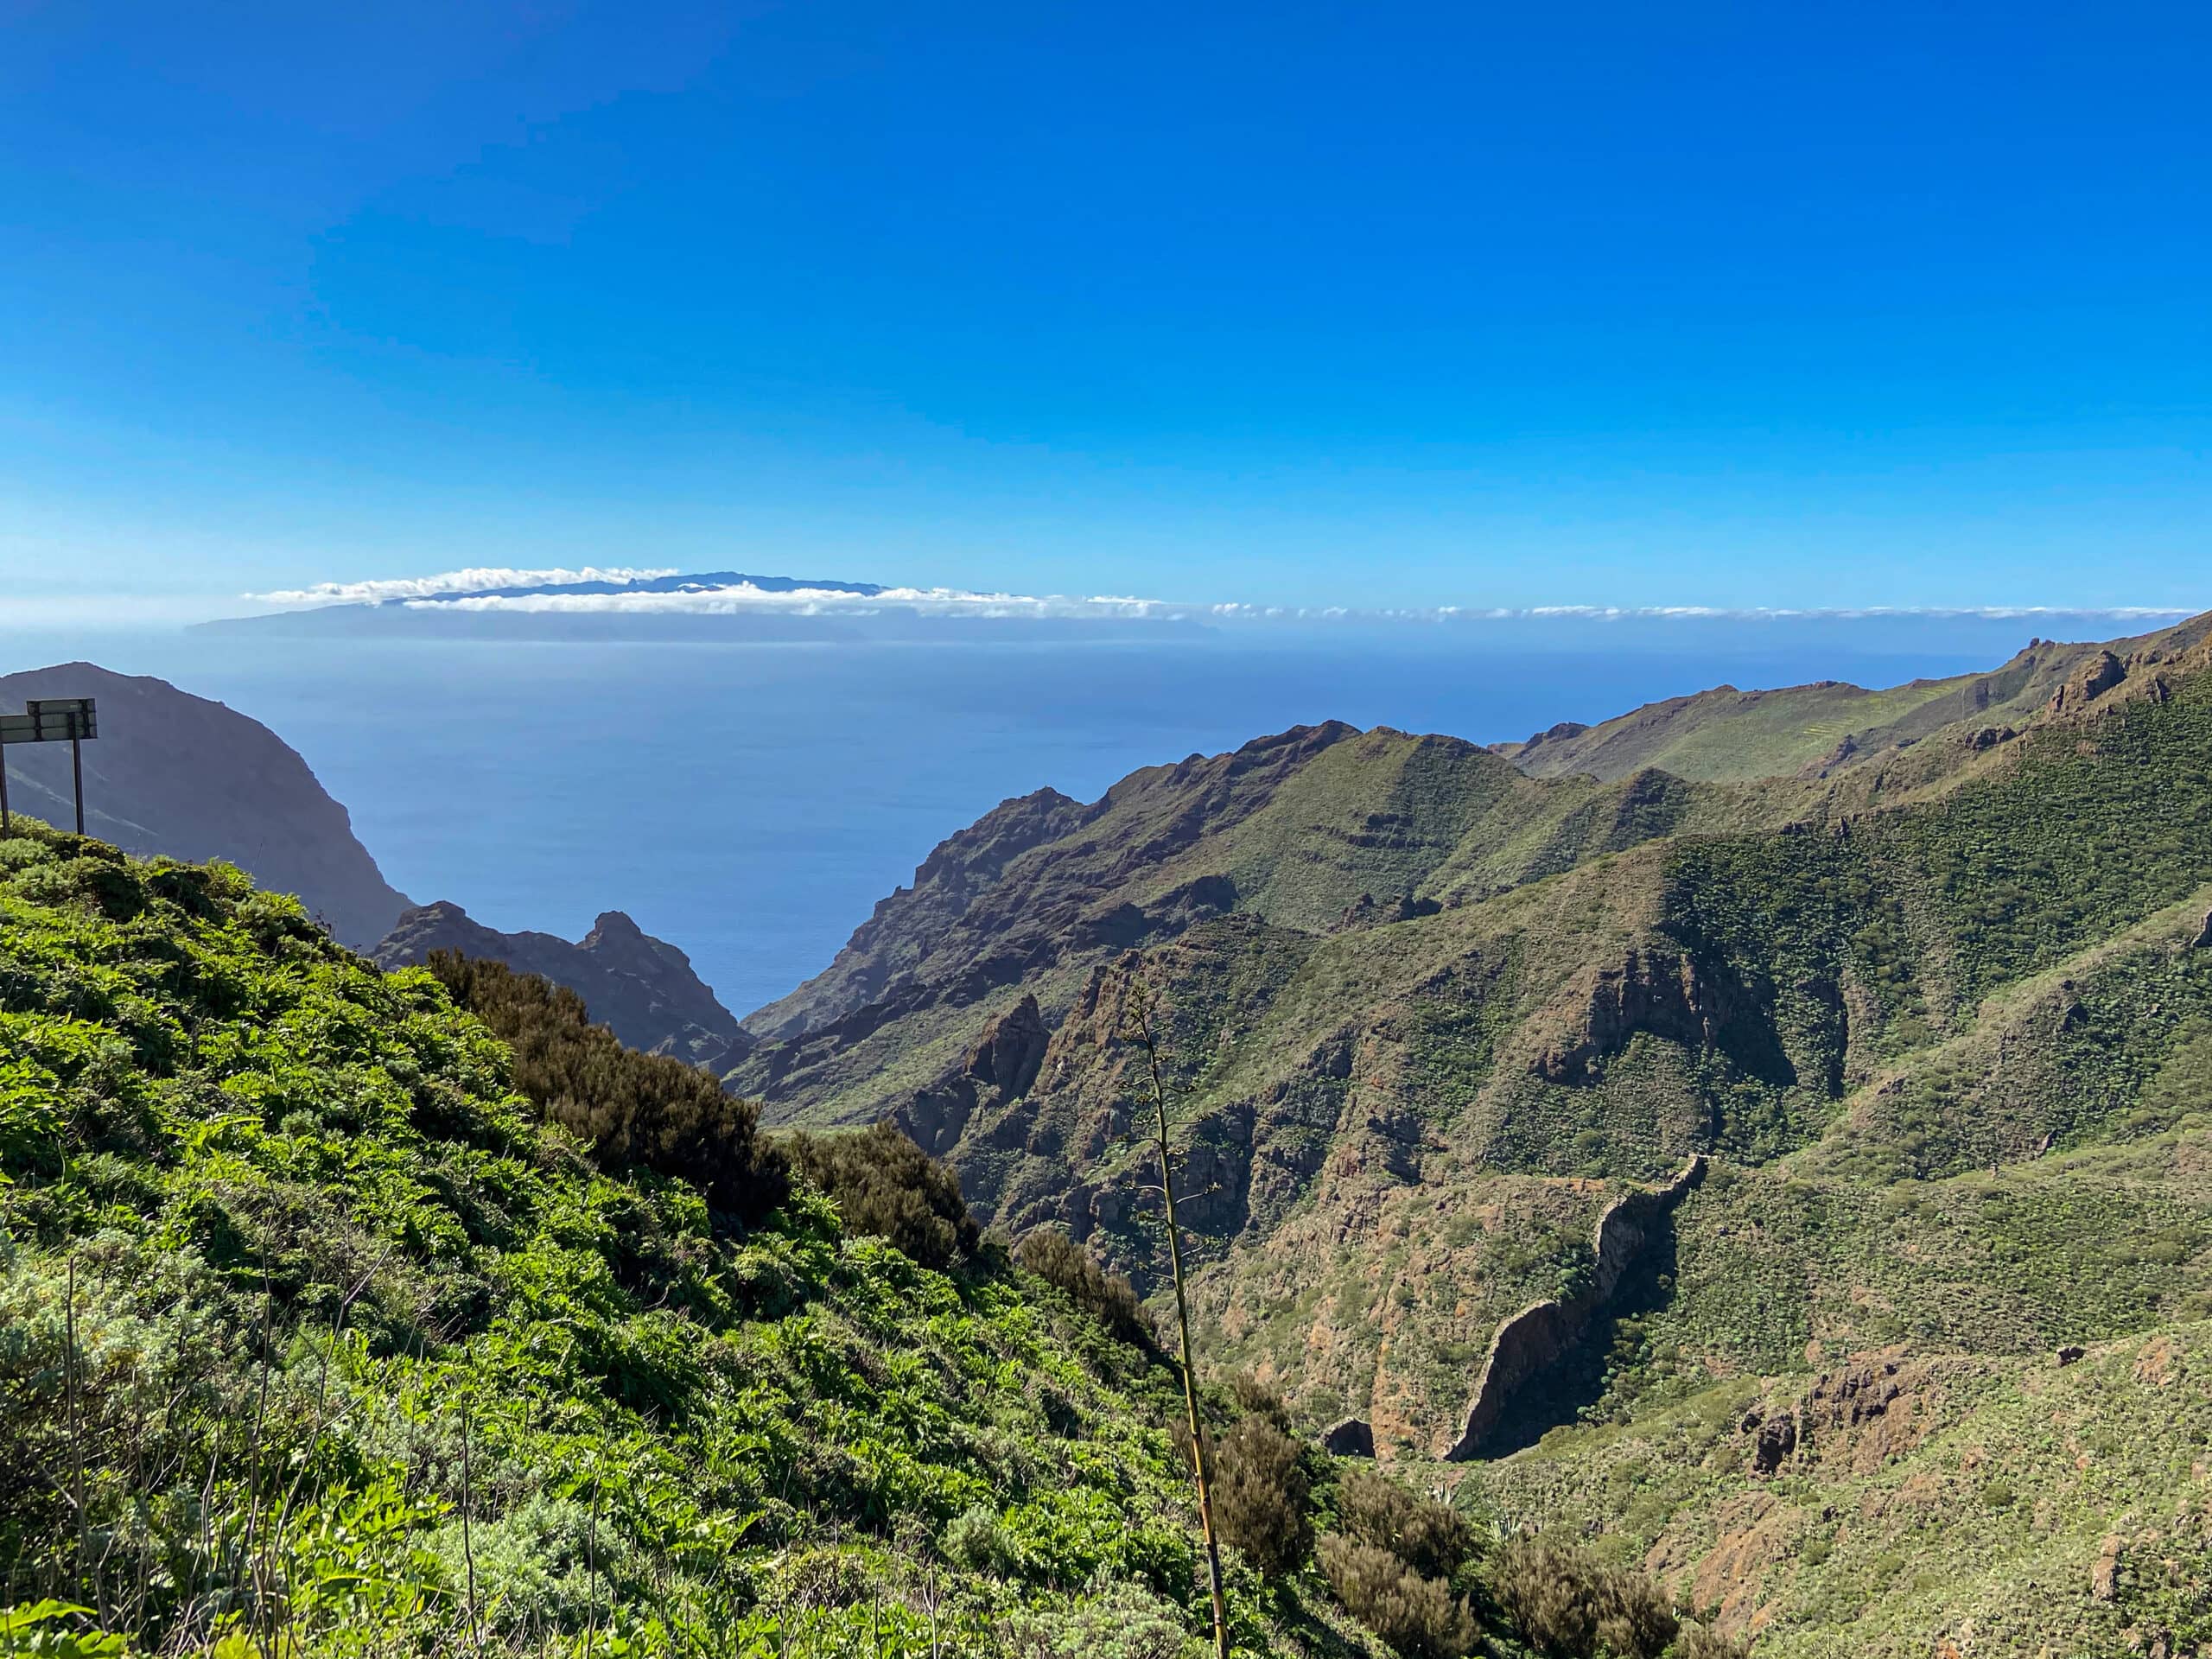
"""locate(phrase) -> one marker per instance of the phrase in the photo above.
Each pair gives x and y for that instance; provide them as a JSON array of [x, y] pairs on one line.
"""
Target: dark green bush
[[886, 1185], [1566, 1603], [637, 1110], [1261, 1499], [1105, 1295], [1419, 1617], [1390, 1560], [1258, 1400], [1428, 1537]]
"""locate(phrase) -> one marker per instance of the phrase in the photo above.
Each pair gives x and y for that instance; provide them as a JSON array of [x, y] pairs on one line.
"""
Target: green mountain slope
[[1935, 1022], [1952, 1505], [1727, 735], [313, 1334]]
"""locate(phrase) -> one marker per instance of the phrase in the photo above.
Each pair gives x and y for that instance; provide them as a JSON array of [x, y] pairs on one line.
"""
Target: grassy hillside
[[1952, 1506], [344, 1313], [1727, 735]]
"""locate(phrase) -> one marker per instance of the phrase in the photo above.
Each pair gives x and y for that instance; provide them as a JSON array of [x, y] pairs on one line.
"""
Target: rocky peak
[[640, 988], [1668, 995], [2096, 677]]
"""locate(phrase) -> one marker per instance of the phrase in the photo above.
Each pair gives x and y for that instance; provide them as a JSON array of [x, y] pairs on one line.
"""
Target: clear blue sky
[[1757, 304]]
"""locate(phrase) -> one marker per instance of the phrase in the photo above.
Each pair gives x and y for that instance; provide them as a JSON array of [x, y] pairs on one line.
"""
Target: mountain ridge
[[641, 988]]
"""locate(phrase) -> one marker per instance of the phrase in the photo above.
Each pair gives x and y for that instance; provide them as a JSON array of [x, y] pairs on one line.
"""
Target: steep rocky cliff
[[641, 988], [178, 774]]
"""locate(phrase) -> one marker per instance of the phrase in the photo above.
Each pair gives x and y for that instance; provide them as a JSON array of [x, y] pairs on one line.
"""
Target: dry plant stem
[[1145, 1039], [591, 1552], [467, 1544], [248, 1562], [76, 1439]]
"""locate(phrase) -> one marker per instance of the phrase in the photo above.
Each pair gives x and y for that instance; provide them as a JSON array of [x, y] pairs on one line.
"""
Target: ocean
[[750, 803]]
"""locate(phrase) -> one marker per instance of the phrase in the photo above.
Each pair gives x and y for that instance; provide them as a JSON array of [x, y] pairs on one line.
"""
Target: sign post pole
[[49, 720]]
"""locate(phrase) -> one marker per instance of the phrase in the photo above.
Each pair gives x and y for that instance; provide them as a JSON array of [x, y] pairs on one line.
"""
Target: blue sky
[[1371, 304]]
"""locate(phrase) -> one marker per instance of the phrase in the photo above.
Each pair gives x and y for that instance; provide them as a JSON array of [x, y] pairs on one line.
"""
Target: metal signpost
[[49, 720]]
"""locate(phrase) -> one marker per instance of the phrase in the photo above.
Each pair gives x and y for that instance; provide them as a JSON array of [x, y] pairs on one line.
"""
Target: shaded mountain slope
[[1321, 829], [641, 988], [184, 775]]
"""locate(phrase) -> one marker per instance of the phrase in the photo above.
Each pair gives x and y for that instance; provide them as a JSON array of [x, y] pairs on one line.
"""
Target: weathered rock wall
[[1538, 1336]]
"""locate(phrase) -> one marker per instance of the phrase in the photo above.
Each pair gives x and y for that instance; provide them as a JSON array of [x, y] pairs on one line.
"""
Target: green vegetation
[[1404, 1564], [1107, 1297], [634, 1110], [314, 1333], [1974, 1506], [1935, 1006], [324, 1332], [347, 1311]]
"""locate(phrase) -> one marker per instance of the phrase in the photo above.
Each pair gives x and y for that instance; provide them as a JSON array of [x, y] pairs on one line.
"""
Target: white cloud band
[[560, 593], [452, 582]]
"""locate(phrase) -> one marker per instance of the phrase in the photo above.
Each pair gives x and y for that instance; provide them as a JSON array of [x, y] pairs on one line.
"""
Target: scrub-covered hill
[[1724, 735], [316, 1333], [348, 1312]]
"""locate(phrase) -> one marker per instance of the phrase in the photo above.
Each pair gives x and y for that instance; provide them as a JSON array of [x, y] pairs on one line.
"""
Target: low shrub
[[885, 1185], [1256, 1399], [1568, 1603], [1429, 1538], [1419, 1617], [1105, 1295], [1261, 1498], [637, 1110]]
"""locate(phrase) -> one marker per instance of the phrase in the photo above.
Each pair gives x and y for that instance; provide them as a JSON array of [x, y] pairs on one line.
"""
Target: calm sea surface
[[750, 803]]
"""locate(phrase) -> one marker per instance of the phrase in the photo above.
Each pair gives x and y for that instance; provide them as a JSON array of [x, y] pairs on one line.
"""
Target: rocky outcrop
[[1000, 1069], [1011, 1050], [905, 929], [1352, 1437], [1364, 913], [1534, 1340], [1841, 755], [1773, 1440], [2096, 677], [2203, 939], [2104, 1572], [640, 988], [1857, 1416], [1667, 995], [1559, 732], [175, 774]]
